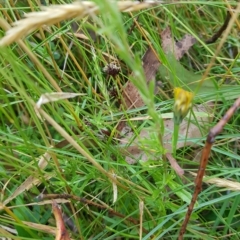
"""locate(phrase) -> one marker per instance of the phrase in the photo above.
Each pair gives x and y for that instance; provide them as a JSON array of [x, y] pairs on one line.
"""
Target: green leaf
[[178, 76], [180, 192]]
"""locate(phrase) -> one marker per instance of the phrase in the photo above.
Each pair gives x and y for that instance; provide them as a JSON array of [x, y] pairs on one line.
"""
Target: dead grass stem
[[57, 13]]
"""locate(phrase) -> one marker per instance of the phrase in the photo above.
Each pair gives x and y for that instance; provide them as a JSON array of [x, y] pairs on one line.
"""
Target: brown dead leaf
[[168, 44], [187, 131], [131, 96], [182, 46], [151, 64], [132, 99], [178, 48], [134, 153], [61, 233]]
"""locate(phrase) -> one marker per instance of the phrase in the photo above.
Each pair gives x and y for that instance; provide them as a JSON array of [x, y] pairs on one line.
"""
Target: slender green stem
[[175, 138]]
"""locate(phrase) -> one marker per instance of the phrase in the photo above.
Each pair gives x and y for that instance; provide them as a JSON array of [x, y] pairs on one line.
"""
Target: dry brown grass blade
[[5, 231], [32, 56], [31, 180], [42, 228], [41, 203], [53, 97], [115, 188], [222, 183], [141, 213], [57, 13]]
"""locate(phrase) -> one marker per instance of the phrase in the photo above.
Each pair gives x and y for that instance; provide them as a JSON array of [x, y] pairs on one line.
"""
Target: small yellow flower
[[183, 102]]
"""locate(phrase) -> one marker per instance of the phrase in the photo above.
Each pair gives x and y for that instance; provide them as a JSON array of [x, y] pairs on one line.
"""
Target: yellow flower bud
[[183, 102]]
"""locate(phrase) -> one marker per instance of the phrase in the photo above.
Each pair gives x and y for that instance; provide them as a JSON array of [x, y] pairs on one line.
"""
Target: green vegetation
[[85, 167]]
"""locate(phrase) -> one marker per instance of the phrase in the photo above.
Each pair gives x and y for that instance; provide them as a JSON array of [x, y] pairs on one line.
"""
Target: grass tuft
[[74, 153]]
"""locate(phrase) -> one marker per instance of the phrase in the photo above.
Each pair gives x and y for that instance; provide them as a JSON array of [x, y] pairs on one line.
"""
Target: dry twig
[[89, 202], [215, 37], [204, 160]]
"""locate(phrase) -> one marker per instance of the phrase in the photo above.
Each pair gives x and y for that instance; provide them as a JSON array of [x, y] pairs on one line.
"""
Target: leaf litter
[[132, 99], [151, 64]]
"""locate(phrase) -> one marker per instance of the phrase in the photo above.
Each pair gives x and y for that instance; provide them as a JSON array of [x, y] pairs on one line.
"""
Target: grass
[[87, 167]]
